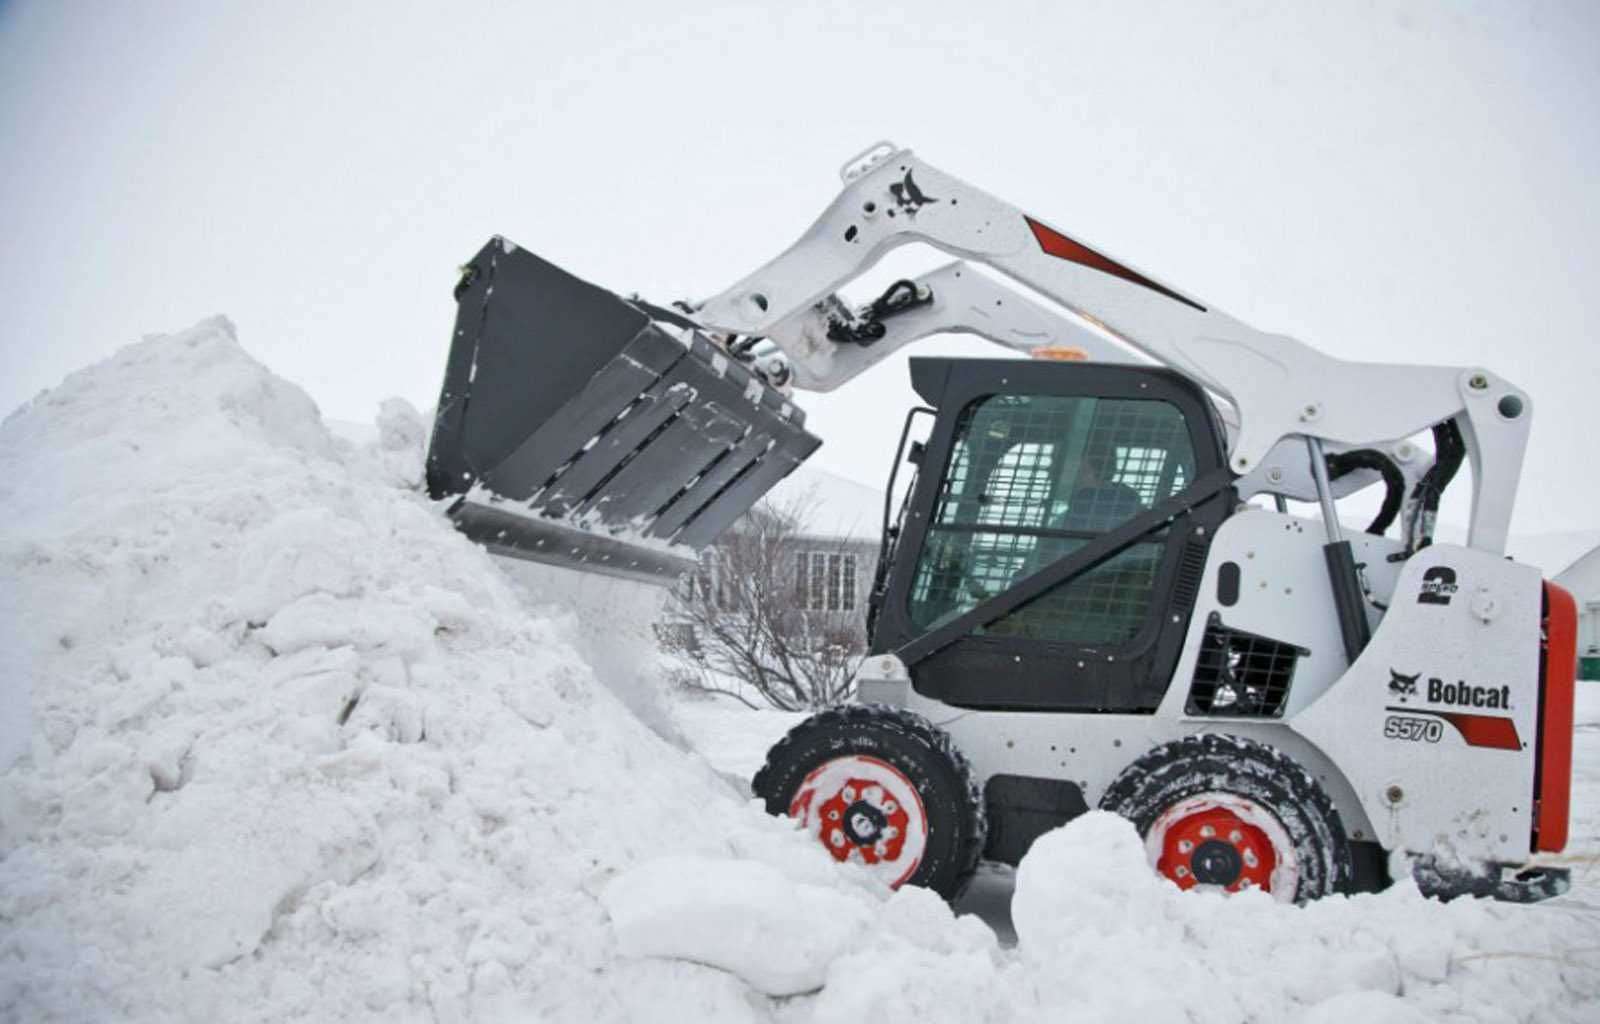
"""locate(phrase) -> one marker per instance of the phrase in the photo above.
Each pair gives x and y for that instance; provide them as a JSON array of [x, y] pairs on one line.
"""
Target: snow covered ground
[[276, 743]]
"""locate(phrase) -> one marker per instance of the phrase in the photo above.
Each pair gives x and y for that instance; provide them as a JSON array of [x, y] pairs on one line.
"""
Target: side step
[[574, 428]]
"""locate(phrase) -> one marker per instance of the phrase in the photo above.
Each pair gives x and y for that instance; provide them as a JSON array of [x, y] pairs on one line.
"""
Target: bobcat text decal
[[1467, 696], [1494, 731]]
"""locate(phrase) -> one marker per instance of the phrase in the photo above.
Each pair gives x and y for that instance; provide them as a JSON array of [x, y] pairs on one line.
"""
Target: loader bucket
[[574, 428]]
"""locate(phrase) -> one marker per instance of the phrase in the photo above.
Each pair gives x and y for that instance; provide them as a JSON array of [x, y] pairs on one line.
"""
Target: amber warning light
[[1063, 353]]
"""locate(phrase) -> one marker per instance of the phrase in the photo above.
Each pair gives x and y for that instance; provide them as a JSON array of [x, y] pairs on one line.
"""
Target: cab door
[[1030, 462]]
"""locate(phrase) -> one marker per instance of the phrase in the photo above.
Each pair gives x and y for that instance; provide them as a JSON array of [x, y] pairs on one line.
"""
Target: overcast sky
[[1399, 181]]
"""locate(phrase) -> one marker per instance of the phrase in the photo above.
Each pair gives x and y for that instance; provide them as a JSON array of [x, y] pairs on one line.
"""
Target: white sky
[[1394, 181]]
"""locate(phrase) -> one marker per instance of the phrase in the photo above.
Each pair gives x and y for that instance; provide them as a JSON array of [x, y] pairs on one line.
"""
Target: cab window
[[1031, 478]]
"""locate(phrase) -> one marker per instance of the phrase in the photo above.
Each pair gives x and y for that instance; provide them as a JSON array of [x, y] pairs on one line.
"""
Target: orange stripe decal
[[1491, 731], [1054, 243], [1484, 730]]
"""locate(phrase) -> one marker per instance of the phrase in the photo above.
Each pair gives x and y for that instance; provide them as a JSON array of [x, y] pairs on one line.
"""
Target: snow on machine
[[1093, 594]]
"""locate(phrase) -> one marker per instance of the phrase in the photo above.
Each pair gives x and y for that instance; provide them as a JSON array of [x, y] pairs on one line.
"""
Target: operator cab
[[1031, 467]]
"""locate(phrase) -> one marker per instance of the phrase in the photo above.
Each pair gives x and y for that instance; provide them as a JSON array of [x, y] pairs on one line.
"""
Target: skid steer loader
[[1093, 594]]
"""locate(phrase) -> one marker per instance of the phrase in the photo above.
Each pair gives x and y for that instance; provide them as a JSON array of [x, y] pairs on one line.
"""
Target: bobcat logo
[[909, 197], [1403, 686]]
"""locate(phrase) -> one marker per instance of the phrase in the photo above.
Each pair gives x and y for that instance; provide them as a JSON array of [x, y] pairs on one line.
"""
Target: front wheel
[[882, 788], [1229, 813]]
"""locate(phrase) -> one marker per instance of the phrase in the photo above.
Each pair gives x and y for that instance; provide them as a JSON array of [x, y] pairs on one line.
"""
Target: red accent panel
[[1559, 672], [1054, 243], [1484, 730]]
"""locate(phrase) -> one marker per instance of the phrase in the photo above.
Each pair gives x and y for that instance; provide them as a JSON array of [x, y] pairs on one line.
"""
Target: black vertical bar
[[1348, 600]]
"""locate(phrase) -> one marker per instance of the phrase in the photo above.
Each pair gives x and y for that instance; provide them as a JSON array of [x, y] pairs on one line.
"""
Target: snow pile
[[277, 742]]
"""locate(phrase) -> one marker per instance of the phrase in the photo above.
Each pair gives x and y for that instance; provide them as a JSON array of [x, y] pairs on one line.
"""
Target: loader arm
[[963, 299], [1281, 390]]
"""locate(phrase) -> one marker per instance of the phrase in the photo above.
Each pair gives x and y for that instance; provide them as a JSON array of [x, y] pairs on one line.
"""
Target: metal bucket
[[575, 428]]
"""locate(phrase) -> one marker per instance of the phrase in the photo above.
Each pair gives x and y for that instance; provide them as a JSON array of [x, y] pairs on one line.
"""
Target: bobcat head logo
[[909, 197], [1403, 686]]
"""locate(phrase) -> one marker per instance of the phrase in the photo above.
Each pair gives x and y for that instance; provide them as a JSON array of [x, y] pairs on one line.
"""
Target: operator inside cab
[[1099, 502]]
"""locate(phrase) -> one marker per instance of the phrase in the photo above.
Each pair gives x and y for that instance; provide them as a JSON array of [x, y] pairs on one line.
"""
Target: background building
[[777, 610], [830, 553], [840, 525], [1571, 560]]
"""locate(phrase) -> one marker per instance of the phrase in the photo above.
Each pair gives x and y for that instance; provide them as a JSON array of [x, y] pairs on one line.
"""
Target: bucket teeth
[[572, 428]]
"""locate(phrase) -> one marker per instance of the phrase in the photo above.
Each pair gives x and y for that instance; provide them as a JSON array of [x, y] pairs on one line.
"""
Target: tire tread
[[837, 722], [1145, 786]]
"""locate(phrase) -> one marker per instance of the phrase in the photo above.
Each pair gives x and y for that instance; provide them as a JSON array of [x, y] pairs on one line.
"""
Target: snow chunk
[[741, 916], [1090, 876], [318, 620]]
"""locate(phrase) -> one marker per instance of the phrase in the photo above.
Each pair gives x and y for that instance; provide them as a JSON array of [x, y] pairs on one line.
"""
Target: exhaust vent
[[1241, 675]]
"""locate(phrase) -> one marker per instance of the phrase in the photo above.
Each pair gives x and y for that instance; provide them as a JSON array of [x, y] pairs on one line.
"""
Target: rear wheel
[[1230, 813], [882, 788]]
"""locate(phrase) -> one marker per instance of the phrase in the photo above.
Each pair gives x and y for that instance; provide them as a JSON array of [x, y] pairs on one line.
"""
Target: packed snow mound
[[1086, 896], [278, 742], [1102, 937]]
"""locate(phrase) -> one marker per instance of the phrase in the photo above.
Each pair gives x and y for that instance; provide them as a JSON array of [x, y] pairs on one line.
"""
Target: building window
[[825, 581]]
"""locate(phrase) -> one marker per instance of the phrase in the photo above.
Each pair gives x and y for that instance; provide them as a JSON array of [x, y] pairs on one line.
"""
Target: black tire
[[1267, 778], [922, 754]]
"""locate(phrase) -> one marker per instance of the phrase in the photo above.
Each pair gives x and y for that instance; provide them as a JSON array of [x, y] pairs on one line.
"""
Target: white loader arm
[[1280, 388]]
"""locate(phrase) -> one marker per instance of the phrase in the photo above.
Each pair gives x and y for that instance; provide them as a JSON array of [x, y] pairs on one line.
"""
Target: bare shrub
[[748, 619]]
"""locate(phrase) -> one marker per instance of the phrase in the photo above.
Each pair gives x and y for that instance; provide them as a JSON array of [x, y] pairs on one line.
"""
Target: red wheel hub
[[1215, 846], [866, 810]]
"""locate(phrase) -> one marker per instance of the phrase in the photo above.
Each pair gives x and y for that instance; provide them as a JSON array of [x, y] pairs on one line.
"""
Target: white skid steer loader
[[1078, 603]]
